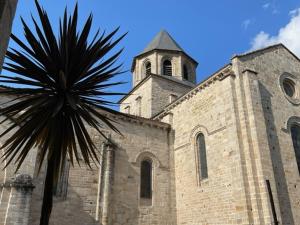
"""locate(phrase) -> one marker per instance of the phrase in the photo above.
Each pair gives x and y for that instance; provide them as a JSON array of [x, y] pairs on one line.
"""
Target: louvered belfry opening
[[167, 65], [148, 68], [185, 73]]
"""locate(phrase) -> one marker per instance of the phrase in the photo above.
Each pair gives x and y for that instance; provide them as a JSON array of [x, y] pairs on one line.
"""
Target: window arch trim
[[143, 68], [146, 178], [169, 69], [200, 129], [147, 68], [147, 155], [294, 121], [201, 153], [294, 83]]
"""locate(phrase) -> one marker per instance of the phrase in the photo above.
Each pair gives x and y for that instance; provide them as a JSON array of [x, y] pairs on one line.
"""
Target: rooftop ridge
[[265, 49], [138, 120]]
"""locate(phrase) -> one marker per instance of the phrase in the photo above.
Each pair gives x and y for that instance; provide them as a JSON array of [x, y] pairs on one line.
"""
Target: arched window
[[148, 68], [185, 72], [146, 179], [138, 101], [202, 161], [167, 68], [295, 132]]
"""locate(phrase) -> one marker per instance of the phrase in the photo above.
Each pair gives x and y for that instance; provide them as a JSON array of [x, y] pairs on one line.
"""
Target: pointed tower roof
[[162, 41]]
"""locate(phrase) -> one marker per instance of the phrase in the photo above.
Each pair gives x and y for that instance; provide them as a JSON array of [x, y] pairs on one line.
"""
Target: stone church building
[[223, 151]]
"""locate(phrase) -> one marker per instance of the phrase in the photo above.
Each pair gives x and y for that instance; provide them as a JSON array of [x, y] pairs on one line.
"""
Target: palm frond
[[58, 86]]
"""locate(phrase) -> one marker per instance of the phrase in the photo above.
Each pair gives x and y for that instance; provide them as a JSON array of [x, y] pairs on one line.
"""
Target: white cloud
[[289, 35], [266, 5], [271, 6], [246, 23], [294, 12]]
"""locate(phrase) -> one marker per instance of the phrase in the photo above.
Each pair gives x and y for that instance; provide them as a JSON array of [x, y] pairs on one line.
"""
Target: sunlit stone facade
[[223, 151]]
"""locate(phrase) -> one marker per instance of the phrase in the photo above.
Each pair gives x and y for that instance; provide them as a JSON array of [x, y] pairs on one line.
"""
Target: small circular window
[[289, 87]]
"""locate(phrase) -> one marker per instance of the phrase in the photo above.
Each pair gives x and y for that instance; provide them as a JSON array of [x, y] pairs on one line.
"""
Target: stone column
[[7, 13], [108, 173], [18, 204], [99, 192]]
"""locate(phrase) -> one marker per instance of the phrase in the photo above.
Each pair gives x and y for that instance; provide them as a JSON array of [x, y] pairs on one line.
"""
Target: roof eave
[[265, 49], [165, 50], [150, 76]]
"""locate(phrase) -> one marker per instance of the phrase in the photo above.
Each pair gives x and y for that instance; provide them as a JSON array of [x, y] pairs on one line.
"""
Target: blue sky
[[210, 31]]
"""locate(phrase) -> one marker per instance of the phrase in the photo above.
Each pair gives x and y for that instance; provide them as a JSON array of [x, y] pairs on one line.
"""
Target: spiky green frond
[[60, 81]]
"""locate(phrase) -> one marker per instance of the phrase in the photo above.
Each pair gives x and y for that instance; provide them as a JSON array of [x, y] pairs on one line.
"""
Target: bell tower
[[162, 72]]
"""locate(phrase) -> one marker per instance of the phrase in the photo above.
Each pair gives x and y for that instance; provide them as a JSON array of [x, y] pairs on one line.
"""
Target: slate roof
[[163, 41]]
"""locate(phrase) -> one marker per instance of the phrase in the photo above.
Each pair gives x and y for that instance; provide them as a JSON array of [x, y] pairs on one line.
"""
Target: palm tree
[[58, 87]]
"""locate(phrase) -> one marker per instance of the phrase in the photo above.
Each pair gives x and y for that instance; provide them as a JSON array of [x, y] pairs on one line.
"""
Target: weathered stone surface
[[7, 13], [245, 117]]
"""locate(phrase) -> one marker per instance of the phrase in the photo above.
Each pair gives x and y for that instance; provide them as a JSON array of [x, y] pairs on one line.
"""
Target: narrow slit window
[[138, 106], [148, 68], [167, 68], [295, 132], [185, 73], [202, 160], [146, 180]]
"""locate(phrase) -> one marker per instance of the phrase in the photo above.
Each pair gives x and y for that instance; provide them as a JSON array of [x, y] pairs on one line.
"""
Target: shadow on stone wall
[[71, 211], [64, 212], [276, 158], [125, 209]]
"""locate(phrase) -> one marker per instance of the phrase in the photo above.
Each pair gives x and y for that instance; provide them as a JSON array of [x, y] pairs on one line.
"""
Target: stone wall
[[143, 91], [272, 111], [15, 186], [84, 204], [7, 13], [245, 119], [17, 201], [156, 59], [220, 199], [155, 93], [164, 91]]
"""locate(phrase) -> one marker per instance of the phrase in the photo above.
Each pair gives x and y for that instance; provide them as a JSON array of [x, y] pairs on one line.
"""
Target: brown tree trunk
[[48, 192]]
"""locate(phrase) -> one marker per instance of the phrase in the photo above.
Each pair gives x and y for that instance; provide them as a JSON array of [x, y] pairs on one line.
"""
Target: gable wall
[[162, 89], [272, 111], [145, 92], [220, 199]]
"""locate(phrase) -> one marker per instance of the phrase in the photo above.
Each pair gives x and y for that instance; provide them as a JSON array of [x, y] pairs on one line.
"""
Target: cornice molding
[[140, 121]]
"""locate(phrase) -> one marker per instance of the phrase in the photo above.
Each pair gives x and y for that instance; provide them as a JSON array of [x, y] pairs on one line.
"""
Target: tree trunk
[[48, 192]]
